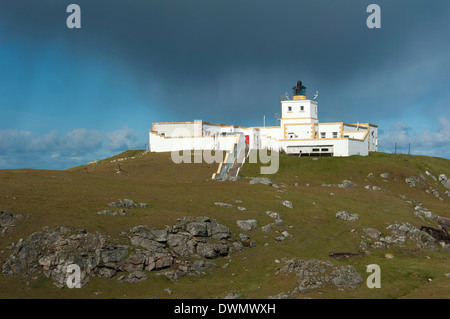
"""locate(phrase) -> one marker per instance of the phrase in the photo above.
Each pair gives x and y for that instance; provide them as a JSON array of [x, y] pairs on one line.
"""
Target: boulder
[[345, 215], [372, 233], [288, 204], [127, 203], [248, 224], [260, 180], [197, 229], [413, 181], [222, 204]]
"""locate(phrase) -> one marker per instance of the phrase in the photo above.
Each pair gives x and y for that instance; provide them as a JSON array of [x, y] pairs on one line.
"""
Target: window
[[291, 135], [316, 150], [335, 135], [302, 108], [289, 108], [324, 149], [322, 135]]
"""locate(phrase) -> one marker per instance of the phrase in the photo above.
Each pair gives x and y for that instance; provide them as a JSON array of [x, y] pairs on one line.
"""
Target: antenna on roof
[[316, 95], [277, 116], [285, 97]]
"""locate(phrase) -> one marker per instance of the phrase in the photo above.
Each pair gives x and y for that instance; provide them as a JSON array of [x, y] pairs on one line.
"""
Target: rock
[[266, 228], [423, 213], [248, 224], [403, 231], [413, 181], [207, 250], [280, 238], [431, 175], [58, 285], [127, 203], [389, 256], [197, 229], [222, 204], [244, 237], [286, 234], [242, 208], [253, 243], [182, 244], [273, 215], [260, 180], [134, 262], [384, 175], [287, 203], [236, 247], [54, 249], [346, 184], [444, 181], [106, 272], [347, 216], [280, 296], [143, 205], [6, 218], [233, 295], [168, 291], [372, 233], [134, 277], [315, 274]]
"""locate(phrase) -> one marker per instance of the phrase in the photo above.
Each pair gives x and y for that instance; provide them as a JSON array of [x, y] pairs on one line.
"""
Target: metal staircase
[[234, 159]]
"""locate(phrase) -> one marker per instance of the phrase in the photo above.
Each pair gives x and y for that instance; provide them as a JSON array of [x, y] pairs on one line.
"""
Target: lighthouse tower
[[299, 109]]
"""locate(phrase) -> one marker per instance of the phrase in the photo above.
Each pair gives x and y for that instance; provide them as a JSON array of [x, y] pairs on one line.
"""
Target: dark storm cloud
[[228, 61]]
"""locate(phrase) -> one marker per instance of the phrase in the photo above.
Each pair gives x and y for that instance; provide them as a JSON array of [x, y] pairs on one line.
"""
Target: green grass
[[71, 198]]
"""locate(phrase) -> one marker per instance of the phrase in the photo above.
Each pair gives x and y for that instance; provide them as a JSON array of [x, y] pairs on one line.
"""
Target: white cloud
[[19, 149], [434, 143], [122, 139]]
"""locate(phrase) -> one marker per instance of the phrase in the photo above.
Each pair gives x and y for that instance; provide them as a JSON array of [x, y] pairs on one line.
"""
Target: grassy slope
[[71, 198]]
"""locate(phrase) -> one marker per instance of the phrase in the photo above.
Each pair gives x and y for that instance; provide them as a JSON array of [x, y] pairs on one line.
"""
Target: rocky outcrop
[[53, 250], [314, 273], [400, 233]]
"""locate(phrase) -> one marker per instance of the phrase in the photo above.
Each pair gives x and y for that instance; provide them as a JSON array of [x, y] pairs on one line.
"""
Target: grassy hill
[[71, 198]]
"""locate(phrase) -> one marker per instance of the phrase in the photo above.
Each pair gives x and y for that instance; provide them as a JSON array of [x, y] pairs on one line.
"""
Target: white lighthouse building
[[300, 133]]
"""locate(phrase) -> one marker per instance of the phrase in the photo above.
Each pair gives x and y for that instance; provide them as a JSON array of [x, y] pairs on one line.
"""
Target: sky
[[69, 96]]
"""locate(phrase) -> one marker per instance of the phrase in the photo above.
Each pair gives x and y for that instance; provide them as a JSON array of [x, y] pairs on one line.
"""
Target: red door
[[247, 139]]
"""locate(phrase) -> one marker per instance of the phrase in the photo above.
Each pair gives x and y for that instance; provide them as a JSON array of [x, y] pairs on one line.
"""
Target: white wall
[[328, 129], [310, 110], [166, 144]]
